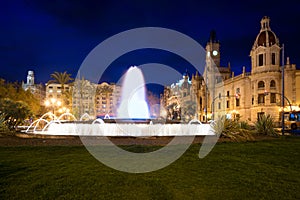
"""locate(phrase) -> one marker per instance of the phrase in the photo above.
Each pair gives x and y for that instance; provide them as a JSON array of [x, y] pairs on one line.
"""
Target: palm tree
[[104, 89], [83, 89], [61, 78]]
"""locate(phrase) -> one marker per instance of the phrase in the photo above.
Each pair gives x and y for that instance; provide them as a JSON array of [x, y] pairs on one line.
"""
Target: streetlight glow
[[53, 103], [47, 103], [53, 100]]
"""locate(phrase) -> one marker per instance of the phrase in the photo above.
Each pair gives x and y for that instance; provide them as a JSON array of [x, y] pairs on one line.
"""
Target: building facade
[[107, 99], [37, 90], [83, 98], [179, 100], [250, 94], [54, 90]]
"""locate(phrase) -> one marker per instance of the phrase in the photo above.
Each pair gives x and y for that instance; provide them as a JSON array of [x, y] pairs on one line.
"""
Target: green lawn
[[250, 170]]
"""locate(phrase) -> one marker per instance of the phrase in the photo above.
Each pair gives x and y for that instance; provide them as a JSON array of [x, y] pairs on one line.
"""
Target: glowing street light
[[53, 103], [64, 110]]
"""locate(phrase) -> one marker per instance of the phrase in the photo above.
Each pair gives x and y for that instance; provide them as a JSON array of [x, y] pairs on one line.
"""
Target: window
[[228, 94], [238, 91], [273, 58], [219, 105], [261, 98], [273, 98], [219, 79], [272, 84], [261, 84], [219, 95], [237, 102], [259, 115], [252, 100], [227, 104], [260, 60]]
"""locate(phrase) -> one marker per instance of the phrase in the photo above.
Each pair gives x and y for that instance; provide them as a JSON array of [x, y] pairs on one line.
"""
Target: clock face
[[215, 52]]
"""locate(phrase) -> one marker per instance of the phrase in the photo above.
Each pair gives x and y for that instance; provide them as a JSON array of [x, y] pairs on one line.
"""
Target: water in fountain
[[133, 108], [133, 100]]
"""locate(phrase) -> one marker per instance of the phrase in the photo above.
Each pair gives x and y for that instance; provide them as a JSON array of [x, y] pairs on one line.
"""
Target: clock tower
[[213, 48]]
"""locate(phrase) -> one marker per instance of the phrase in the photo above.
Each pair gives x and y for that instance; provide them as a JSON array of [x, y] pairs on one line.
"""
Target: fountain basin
[[127, 129]]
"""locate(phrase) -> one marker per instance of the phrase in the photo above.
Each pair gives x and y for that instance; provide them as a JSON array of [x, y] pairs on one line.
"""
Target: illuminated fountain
[[133, 104], [132, 118]]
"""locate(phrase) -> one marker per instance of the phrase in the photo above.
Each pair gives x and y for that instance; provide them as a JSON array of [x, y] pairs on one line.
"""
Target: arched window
[[272, 84], [261, 84]]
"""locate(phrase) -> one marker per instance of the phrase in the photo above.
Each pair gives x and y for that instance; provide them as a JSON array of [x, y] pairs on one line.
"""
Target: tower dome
[[266, 36], [265, 52]]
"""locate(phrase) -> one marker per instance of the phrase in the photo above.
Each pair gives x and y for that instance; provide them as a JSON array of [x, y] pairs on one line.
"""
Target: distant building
[[37, 90], [83, 98], [54, 90], [177, 98], [107, 99], [248, 95], [297, 88]]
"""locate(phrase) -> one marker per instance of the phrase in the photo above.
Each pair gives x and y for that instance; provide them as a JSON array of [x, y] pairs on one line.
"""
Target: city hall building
[[246, 96]]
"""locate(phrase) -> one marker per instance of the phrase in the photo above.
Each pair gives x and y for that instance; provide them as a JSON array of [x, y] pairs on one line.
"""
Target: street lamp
[[283, 97], [63, 110], [52, 103]]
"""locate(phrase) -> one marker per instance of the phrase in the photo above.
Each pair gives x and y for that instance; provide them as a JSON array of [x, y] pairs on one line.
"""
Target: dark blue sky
[[56, 35]]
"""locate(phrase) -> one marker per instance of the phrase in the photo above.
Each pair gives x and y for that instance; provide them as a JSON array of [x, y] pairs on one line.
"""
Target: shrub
[[265, 126], [244, 125], [233, 129]]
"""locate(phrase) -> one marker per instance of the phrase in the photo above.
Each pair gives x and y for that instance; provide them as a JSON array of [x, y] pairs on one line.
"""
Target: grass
[[250, 170]]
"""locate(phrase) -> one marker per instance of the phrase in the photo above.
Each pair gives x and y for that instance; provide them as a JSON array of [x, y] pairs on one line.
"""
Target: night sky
[[56, 35]]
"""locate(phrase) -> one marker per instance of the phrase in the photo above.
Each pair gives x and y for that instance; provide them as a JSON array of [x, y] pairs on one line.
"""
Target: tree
[[61, 78], [104, 89], [14, 112], [3, 127], [15, 92], [83, 92]]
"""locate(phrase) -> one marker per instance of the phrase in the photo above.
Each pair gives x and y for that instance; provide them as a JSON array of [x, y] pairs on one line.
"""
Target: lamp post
[[52, 103], [282, 96], [282, 90]]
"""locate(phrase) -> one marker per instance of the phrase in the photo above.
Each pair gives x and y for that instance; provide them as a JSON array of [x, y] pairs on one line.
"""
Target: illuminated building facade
[[247, 95]]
